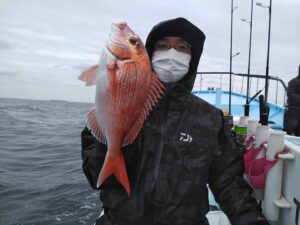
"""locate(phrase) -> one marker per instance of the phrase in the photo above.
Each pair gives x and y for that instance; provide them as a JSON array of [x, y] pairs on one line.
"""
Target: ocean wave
[[40, 174]]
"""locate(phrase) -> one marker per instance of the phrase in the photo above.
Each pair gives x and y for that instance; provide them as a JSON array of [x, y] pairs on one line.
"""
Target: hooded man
[[184, 145], [292, 115]]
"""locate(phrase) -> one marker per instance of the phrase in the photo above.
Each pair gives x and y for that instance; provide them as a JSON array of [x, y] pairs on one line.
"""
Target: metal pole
[[268, 55], [276, 92], [221, 81], [247, 105], [201, 82], [230, 59], [242, 85]]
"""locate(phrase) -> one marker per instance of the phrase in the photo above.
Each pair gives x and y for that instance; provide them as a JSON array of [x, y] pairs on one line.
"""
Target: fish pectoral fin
[[116, 167], [94, 126], [89, 75]]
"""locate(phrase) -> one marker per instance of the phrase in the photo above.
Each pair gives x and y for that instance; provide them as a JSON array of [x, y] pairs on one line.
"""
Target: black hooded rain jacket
[[293, 92], [184, 145], [292, 114]]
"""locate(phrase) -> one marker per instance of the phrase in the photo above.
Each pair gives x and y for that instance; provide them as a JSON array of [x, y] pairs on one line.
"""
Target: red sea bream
[[126, 90]]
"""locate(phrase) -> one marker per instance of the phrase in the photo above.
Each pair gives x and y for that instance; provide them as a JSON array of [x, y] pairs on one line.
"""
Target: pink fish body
[[126, 90]]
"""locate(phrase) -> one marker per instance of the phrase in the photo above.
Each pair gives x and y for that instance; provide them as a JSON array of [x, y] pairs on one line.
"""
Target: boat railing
[[211, 80]]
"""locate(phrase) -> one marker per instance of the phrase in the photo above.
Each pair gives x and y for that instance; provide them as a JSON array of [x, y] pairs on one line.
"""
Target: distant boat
[[58, 101]]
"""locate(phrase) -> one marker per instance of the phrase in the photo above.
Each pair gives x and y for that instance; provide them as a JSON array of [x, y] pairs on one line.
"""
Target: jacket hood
[[193, 35]]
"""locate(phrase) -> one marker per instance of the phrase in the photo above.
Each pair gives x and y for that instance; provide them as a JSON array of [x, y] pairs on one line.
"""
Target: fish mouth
[[114, 54]]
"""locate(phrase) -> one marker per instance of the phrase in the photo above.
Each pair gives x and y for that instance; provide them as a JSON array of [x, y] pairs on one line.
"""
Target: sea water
[[41, 180]]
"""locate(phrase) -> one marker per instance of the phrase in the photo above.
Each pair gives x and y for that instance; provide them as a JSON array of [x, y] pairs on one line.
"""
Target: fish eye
[[134, 41]]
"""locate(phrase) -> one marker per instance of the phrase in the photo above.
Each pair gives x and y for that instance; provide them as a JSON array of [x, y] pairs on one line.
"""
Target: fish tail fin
[[115, 166]]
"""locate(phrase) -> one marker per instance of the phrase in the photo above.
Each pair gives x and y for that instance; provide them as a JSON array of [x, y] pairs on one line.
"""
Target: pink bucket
[[250, 156], [257, 169], [258, 172]]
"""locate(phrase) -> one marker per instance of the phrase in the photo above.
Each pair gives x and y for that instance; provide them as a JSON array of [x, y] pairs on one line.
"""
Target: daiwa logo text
[[185, 137]]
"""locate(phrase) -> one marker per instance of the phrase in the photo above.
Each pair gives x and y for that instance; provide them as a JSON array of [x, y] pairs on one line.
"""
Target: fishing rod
[[254, 96], [264, 111], [248, 101], [247, 104]]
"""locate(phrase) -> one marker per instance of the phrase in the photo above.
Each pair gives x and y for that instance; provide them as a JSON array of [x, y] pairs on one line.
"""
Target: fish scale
[[127, 90]]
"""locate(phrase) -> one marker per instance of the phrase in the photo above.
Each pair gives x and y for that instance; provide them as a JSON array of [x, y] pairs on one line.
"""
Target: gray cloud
[[48, 43], [5, 45], [8, 73]]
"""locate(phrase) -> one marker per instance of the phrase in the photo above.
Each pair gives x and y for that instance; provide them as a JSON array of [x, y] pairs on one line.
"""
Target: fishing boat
[[276, 188]]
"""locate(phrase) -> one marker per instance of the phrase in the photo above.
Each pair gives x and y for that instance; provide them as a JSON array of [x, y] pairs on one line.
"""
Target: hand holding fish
[[126, 91]]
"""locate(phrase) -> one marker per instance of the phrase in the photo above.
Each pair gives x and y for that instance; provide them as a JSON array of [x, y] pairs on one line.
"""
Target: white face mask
[[170, 66]]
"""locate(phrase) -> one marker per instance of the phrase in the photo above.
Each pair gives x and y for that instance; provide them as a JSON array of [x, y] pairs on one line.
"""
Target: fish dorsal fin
[[156, 90], [93, 125], [89, 75]]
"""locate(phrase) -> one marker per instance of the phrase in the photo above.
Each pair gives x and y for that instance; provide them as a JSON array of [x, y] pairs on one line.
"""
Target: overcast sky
[[45, 44]]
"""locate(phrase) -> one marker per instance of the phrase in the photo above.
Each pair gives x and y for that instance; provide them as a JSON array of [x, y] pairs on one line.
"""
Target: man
[[292, 115], [184, 145]]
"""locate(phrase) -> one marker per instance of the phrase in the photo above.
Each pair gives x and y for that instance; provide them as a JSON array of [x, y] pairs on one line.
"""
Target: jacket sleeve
[[292, 93], [93, 155], [227, 182]]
